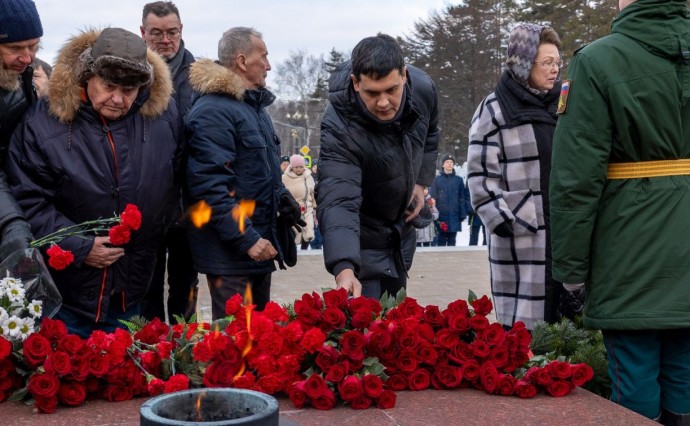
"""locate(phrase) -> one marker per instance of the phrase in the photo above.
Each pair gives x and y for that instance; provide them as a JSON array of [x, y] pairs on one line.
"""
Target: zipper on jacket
[[106, 129]]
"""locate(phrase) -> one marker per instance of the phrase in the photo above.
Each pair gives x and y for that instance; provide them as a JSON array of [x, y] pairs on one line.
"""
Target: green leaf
[[471, 297], [400, 297], [370, 361], [19, 394], [179, 319]]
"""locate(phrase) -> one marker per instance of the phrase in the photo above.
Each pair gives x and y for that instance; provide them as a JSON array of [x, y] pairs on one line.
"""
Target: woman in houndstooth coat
[[508, 165]]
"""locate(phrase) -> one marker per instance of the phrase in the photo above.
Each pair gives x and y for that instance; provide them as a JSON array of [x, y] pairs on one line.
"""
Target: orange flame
[[200, 214], [247, 302], [199, 417], [243, 210]]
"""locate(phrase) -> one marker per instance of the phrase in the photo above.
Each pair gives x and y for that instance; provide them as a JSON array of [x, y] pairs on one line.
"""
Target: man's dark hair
[[160, 9], [376, 57]]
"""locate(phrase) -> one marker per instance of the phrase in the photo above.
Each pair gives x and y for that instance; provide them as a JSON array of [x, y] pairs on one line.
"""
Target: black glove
[[504, 229], [290, 212], [573, 303], [15, 236]]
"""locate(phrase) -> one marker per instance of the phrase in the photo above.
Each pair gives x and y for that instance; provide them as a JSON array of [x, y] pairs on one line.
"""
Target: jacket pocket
[[521, 204]]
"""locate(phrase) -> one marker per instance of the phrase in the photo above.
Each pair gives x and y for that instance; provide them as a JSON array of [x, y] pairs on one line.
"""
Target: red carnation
[[131, 217], [119, 235], [313, 339], [177, 382], [156, 386], [443, 226], [58, 258]]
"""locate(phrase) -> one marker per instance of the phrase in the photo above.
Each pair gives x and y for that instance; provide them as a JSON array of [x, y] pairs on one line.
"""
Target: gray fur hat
[[522, 50], [118, 57]]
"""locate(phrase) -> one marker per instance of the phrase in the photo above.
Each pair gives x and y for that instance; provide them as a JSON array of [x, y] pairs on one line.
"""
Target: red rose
[[410, 308], [81, 367], [458, 307], [407, 362], [58, 363], [315, 386], [117, 393], [447, 338], [397, 382], [482, 306], [131, 217], [433, 316], [447, 377], [559, 369], [499, 356], [5, 348], [43, 385], [525, 389], [581, 374], [460, 353], [156, 386], [386, 400], [336, 299], [407, 340], [559, 388], [307, 315], [58, 258], [297, 394], [337, 372], [325, 401], [36, 349], [470, 370], [488, 377], [71, 344], [350, 388], [494, 334], [72, 393], [326, 356], [427, 354], [119, 235], [46, 404], [419, 380], [479, 322], [177, 382], [333, 319], [361, 319], [506, 384], [361, 403], [313, 339], [480, 349], [372, 385], [220, 374], [352, 343]]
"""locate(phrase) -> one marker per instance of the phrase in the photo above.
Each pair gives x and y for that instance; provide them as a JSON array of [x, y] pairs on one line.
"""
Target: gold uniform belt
[[643, 169]]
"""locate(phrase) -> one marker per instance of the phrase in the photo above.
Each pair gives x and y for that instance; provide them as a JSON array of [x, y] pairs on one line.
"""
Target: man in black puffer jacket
[[20, 35], [379, 141]]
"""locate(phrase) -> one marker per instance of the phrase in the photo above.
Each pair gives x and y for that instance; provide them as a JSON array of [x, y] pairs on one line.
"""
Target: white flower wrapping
[[27, 294]]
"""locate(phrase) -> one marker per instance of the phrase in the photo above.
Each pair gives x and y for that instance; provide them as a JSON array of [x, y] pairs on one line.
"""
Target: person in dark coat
[[161, 29], [449, 192], [106, 136], [379, 141], [234, 156], [20, 36]]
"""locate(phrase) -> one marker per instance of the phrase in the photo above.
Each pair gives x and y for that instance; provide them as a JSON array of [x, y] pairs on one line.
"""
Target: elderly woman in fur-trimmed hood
[[105, 136]]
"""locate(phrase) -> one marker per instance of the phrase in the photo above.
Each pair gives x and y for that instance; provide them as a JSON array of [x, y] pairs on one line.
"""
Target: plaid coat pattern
[[503, 179]]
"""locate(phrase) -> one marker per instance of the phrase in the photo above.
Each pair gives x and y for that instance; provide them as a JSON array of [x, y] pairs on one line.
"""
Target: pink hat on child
[[297, 160]]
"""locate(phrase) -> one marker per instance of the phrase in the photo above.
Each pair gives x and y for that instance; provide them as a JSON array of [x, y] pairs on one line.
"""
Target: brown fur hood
[[65, 92], [207, 76]]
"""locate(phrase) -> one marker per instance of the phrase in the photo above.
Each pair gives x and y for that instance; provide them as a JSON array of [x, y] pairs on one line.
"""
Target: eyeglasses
[[158, 35], [550, 63]]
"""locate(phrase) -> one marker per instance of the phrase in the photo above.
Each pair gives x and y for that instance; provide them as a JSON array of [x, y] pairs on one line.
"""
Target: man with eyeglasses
[[161, 29]]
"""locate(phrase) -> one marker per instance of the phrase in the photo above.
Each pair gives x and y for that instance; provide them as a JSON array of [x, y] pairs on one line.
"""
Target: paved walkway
[[439, 275]]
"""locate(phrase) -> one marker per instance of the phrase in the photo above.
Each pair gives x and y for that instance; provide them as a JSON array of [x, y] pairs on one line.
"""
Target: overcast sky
[[287, 25]]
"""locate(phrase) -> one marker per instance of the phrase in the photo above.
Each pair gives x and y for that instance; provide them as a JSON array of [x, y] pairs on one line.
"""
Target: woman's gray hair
[[234, 41]]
